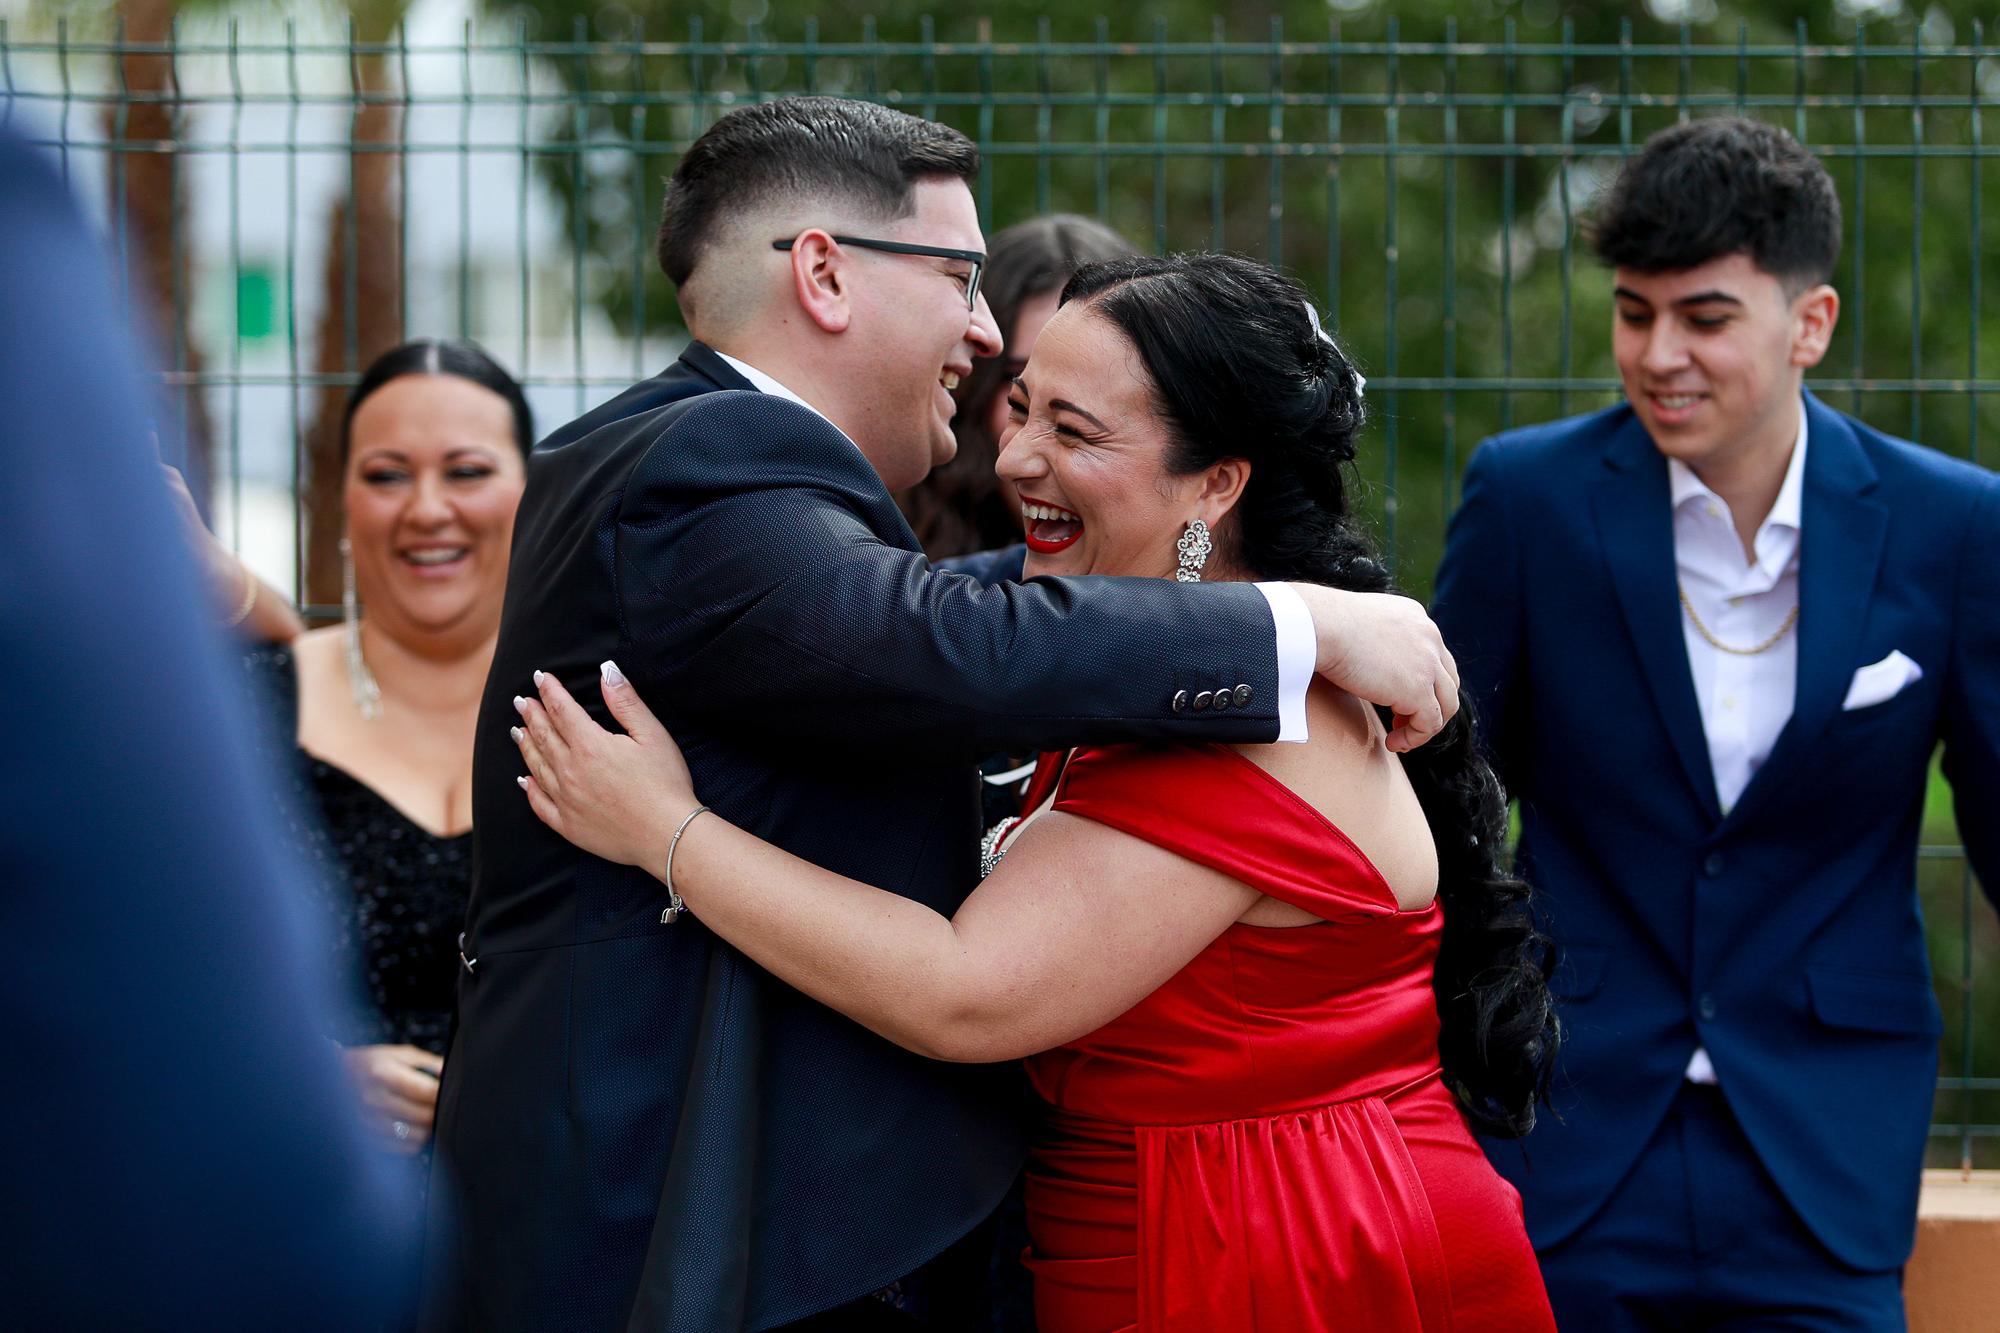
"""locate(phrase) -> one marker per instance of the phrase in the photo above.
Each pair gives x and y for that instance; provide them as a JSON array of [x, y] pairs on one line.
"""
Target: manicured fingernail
[[520, 705], [612, 675], [521, 782], [538, 678], [516, 733]]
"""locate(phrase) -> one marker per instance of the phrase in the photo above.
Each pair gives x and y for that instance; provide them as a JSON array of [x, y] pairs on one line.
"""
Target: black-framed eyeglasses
[[976, 258]]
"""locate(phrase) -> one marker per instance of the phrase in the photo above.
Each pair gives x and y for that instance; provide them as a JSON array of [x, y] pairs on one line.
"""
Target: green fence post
[[1391, 362]]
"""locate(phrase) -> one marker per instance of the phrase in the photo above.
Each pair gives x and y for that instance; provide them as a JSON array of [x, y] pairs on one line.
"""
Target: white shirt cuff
[[1298, 652]]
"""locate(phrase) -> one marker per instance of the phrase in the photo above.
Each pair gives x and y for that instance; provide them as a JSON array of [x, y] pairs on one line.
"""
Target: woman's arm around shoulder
[[1079, 923]]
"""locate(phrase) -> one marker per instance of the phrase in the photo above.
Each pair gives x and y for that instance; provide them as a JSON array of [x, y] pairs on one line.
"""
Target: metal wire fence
[[286, 201]]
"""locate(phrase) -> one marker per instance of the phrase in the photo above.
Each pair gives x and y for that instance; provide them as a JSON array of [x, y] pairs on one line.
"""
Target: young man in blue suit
[[645, 1130], [1714, 635]]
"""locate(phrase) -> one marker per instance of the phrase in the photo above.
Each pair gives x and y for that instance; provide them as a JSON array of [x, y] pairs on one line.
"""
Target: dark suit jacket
[[1001, 566], [178, 1146], [647, 1130], [1785, 935]]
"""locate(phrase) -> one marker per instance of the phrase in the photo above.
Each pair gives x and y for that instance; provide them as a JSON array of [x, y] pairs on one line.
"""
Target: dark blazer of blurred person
[[180, 1147], [964, 506], [1715, 635]]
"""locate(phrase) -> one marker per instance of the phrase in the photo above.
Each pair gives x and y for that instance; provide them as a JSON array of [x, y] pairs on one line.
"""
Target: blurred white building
[[489, 252]]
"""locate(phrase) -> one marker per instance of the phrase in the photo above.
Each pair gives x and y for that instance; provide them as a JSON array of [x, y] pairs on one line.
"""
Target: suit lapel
[[890, 523], [1841, 532], [1635, 524]]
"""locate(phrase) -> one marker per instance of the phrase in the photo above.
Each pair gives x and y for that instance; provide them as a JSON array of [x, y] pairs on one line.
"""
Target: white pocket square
[[1881, 680]]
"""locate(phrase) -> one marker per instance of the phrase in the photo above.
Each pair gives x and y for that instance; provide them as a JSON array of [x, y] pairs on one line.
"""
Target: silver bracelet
[[674, 904]]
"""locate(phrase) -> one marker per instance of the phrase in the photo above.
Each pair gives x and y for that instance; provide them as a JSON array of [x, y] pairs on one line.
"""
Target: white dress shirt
[[1297, 647], [1745, 701]]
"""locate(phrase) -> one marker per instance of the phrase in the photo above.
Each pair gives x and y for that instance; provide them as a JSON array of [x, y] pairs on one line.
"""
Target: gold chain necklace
[[1719, 645]]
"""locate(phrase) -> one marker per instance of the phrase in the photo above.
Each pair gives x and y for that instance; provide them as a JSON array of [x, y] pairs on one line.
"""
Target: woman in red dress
[[1262, 990]]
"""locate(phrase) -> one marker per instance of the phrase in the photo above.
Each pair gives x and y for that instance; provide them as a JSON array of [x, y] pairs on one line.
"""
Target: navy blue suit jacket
[[178, 1146], [1784, 935], [648, 1131]]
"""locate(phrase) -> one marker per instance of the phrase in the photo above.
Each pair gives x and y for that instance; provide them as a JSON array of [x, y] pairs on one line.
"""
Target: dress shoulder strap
[[1216, 808]]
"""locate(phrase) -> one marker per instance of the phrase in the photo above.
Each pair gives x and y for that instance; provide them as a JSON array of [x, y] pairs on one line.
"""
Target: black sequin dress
[[394, 893]]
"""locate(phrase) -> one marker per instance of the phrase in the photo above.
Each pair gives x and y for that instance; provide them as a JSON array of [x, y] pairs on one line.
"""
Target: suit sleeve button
[[1202, 701], [1180, 701], [1221, 700], [1243, 694]]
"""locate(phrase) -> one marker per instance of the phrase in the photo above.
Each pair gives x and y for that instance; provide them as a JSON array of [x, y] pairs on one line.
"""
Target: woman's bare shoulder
[[322, 671], [1346, 772], [1344, 744], [322, 644]]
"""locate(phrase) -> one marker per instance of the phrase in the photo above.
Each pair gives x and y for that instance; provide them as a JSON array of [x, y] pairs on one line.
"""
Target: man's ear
[[1814, 313], [1221, 487], [820, 280]]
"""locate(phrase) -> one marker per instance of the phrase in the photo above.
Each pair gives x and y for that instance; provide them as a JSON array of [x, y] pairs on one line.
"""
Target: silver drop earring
[[360, 680], [1194, 547]]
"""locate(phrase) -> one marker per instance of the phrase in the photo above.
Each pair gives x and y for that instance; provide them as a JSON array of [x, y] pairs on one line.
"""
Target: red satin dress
[[1265, 1142]]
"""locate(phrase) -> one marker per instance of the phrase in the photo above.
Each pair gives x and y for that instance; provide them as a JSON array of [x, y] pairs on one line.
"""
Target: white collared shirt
[[1745, 701], [1297, 647], [765, 384]]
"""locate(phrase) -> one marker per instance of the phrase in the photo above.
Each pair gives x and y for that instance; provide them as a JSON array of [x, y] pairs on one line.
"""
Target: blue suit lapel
[[1634, 513], [1841, 532]]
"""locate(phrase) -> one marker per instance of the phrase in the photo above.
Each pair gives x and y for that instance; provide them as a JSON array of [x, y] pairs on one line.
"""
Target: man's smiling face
[[1712, 356], [913, 321]]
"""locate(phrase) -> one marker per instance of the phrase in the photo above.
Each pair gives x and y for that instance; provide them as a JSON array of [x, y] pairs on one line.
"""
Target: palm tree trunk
[[149, 207], [361, 310]]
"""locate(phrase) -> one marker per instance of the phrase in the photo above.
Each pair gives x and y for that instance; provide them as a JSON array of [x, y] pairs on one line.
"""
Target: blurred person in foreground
[[1261, 989], [648, 1131], [378, 712], [181, 1148], [965, 506], [1717, 633]]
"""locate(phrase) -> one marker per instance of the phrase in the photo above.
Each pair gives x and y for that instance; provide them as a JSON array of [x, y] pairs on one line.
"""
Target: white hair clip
[[1319, 331]]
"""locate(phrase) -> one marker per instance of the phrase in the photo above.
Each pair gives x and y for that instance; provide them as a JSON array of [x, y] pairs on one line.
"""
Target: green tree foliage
[[1431, 197]]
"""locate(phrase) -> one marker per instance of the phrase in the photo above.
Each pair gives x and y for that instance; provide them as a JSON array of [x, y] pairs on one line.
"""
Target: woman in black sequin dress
[[382, 708]]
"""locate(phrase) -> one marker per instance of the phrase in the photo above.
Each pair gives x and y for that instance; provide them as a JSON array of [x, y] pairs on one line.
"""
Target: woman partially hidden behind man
[[1261, 989]]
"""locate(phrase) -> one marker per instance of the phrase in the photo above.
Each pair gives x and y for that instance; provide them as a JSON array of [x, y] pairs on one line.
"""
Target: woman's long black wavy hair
[[1241, 369]]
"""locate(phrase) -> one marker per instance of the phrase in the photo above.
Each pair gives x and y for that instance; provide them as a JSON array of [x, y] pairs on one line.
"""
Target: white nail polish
[[609, 670]]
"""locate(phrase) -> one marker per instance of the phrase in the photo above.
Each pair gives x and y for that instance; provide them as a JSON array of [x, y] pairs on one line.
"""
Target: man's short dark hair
[[826, 146], [1713, 188]]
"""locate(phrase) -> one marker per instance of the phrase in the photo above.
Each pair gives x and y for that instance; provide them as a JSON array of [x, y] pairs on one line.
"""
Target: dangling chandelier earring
[[360, 680], [1194, 547]]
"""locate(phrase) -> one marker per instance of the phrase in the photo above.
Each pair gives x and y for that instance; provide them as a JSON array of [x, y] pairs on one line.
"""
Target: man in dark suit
[[181, 1147], [1715, 634], [646, 1131]]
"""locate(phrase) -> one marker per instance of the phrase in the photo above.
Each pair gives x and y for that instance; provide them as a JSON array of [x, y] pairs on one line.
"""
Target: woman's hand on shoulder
[[615, 796], [1384, 648]]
